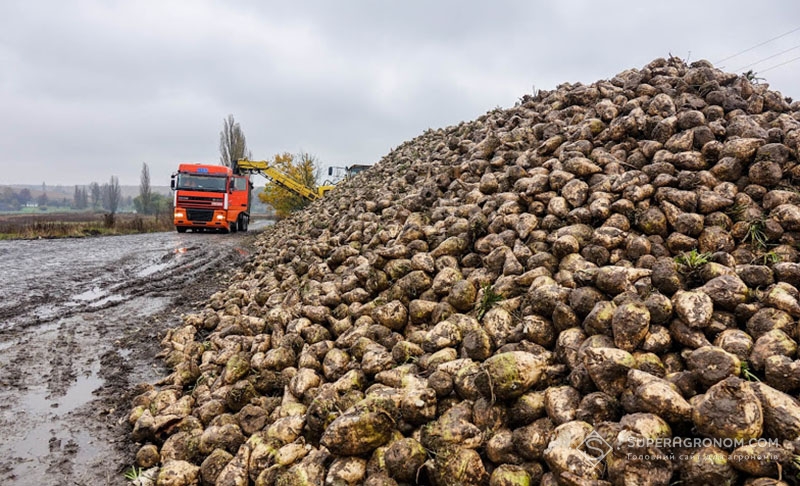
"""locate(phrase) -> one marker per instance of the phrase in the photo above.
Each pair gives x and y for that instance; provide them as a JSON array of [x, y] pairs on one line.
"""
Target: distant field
[[50, 211], [76, 224]]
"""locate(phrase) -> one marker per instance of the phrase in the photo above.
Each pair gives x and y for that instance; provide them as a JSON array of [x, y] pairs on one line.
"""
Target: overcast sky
[[94, 88]]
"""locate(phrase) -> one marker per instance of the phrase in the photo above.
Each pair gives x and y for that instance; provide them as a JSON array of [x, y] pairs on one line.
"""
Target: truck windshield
[[201, 182]]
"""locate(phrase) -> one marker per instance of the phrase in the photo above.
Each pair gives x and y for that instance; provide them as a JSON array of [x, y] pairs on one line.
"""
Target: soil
[[80, 326]]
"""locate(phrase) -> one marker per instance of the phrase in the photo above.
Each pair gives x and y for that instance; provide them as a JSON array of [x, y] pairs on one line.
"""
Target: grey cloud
[[91, 88]]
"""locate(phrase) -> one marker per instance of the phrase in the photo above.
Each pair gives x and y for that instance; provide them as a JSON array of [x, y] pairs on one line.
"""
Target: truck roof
[[204, 169]]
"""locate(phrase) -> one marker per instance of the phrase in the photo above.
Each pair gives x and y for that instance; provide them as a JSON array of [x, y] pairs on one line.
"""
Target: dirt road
[[80, 325]]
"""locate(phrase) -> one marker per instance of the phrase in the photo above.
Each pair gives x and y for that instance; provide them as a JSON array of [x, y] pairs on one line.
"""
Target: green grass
[[769, 258], [756, 234], [489, 299], [133, 473], [693, 259], [747, 374], [689, 265]]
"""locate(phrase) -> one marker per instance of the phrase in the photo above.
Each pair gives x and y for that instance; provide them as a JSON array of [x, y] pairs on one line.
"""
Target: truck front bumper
[[200, 218]]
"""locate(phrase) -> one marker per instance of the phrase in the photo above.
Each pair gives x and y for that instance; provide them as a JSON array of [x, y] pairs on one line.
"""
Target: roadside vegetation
[[94, 210], [78, 224], [302, 167]]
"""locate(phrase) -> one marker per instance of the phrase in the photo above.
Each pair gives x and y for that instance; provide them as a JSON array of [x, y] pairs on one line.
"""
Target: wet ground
[[80, 325]]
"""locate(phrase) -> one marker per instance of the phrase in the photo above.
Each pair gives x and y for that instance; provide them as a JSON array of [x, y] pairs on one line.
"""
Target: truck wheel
[[243, 222], [181, 229]]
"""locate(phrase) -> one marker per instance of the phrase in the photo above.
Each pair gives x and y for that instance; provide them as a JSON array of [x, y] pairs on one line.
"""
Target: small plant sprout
[[747, 374], [736, 211], [693, 259], [769, 258], [133, 473], [756, 235], [489, 299]]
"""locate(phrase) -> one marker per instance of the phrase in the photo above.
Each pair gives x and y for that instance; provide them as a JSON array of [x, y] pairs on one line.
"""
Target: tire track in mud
[[78, 330], [110, 284]]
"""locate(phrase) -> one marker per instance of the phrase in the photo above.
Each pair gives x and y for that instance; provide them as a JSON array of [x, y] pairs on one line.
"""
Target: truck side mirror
[[172, 183], [330, 171]]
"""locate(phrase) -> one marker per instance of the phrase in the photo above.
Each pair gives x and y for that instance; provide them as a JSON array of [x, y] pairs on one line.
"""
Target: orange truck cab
[[210, 197]]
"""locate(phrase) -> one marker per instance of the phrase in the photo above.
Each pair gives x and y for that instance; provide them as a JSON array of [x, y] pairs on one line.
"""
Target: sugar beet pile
[[496, 301]]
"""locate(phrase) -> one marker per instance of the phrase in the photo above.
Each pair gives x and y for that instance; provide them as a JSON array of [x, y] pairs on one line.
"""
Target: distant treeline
[[79, 197]]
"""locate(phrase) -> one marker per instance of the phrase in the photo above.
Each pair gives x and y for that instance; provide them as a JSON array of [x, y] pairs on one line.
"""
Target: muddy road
[[80, 325]]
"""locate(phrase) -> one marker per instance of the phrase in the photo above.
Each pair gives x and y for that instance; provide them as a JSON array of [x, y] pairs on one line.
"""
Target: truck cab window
[[201, 182], [240, 184]]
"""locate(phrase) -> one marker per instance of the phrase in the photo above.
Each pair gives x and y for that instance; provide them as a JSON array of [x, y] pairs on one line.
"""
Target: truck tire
[[181, 229], [243, 222]]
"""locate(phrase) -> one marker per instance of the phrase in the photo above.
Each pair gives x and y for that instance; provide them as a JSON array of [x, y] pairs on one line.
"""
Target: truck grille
[[202, 215], [201, 201]]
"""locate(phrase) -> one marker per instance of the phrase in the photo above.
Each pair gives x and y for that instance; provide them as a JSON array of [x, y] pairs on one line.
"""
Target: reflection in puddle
[[108, 300], [49, 437], [93, 294], [96, 297], [40, 402], [149, 270], [36, 442], [88, 448]]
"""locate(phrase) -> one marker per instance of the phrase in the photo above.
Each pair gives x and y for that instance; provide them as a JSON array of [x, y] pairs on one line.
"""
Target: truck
[[217, 197], [211, 197]]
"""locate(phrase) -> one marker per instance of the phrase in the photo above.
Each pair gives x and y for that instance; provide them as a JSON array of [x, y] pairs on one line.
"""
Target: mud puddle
[[78, 331]]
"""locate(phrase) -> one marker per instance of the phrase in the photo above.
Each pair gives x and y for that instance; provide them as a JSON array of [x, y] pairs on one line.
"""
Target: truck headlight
[[178, 214], [220, 216]]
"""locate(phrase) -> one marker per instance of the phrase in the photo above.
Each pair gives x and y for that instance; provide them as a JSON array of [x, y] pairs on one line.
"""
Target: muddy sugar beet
[[539, 296]]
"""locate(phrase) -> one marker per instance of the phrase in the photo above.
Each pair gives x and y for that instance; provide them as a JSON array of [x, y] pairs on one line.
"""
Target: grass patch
[[756, 234], [768, 258], [693, 259], [489, 299], [689, 264], [78, 225], [133, 473]]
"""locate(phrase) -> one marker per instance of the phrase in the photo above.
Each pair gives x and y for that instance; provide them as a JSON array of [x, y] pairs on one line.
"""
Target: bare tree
[[76, 198], [232, 143], [94, 191], [145, 193], [112, 195]]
